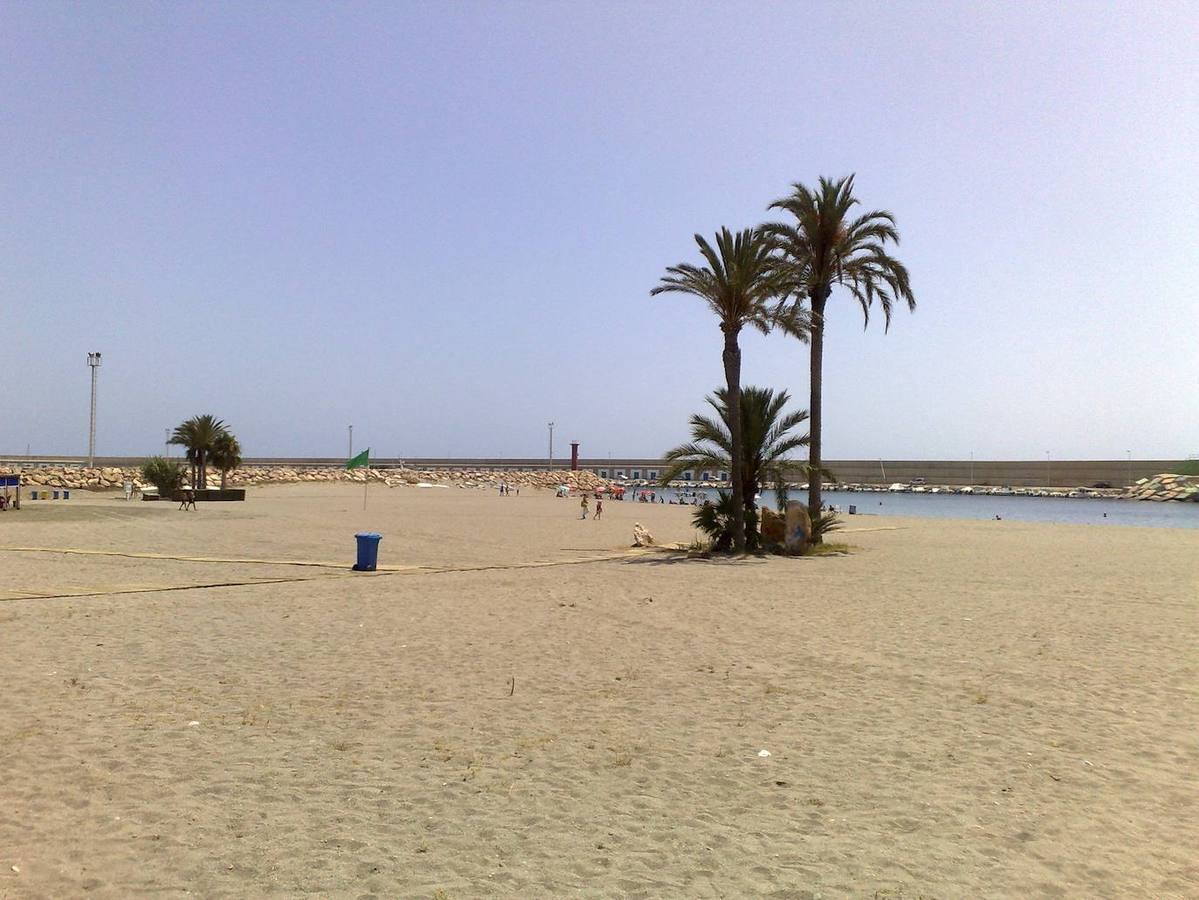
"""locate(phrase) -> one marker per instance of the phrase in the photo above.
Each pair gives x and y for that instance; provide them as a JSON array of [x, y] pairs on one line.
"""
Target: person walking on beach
[[583, 506], [599, 510], [188, 500]]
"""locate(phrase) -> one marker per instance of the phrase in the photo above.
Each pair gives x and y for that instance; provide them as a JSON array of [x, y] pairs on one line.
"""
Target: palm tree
[[198, 434], [225, 455], [826, 246], [765, 434], [739, 284]]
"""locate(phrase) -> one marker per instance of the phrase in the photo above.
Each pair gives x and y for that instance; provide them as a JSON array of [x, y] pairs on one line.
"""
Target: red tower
[[574, 456]]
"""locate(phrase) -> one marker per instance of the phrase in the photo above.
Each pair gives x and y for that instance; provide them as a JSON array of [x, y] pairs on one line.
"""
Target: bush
[[715, 520], [165, 475], [825, 523]]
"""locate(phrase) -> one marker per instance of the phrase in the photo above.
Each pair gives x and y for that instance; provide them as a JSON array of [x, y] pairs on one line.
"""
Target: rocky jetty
[[107, 479], [1165, 487]]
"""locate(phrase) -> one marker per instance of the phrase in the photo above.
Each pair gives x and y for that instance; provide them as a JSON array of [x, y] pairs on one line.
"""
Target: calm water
[[1019, 509]]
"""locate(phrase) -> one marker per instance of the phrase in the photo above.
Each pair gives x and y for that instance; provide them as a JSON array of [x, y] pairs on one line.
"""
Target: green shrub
[[165, 475], [825, 523], [715, 520]]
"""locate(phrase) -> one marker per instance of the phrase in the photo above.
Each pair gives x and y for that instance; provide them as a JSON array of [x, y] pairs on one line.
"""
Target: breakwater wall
[[1013, 473]]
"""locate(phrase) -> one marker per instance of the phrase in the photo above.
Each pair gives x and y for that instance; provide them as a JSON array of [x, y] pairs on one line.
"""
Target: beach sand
[[957, 709]]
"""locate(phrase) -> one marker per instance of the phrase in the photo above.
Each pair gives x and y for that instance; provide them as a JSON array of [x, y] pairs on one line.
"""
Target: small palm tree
[[766, 436], [225, 455], [716, 521], [198, 434], [824, 246], [741, 284]]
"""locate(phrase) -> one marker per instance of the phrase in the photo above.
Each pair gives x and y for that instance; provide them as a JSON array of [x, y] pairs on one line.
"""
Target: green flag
[[362, 459]]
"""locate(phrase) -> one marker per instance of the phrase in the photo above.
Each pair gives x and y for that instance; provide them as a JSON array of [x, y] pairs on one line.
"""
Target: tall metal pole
[[167, 441], [350, 455], [550, 465], [93, 361]]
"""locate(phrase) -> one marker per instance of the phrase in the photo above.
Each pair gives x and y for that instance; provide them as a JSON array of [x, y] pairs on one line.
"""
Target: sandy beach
[[211, 704]]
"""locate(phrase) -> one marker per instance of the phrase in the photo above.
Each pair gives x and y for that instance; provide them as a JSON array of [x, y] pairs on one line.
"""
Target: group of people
[[585, 506], [506, 489]]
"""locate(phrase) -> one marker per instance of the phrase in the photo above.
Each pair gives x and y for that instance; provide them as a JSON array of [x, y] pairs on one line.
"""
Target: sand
[[957, 709]]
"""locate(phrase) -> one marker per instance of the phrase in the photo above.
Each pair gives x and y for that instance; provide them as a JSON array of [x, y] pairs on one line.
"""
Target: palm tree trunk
[[203, 468], [224, 472], [815, 376], [732, 377]]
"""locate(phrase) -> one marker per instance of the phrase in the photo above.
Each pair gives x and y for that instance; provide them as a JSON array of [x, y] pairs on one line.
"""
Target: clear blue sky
[[441, 222]]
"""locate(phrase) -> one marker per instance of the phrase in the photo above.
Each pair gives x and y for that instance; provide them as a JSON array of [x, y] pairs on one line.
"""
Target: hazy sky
[[441, 222]]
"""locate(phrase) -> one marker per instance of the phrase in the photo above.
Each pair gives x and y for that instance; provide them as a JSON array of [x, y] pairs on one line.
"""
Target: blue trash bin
[[66, 495], [368, 551]]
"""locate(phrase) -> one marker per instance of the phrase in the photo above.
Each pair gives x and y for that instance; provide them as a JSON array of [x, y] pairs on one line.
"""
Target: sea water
[[1076, 510]]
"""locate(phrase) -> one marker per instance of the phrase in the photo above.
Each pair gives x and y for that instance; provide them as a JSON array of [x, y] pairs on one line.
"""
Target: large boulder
[[774, 527], [799, 526]]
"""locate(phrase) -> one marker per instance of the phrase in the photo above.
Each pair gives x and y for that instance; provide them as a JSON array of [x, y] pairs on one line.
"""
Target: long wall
[[1016, 473]]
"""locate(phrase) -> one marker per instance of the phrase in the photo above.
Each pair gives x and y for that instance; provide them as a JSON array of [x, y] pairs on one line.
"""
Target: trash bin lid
[[373, 535]]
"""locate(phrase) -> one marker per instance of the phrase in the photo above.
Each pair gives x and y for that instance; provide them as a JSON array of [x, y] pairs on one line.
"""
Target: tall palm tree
[[198, 434], [766, 436], [740, 283], [225, 455], [825, 245]]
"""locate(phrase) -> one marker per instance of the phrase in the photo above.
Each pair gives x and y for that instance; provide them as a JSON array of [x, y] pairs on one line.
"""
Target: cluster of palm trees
[[781, 275], [208, 442]]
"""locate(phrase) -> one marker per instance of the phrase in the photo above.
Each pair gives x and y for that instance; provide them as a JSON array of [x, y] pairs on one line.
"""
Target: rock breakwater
[[1165, 487], [112, 478]]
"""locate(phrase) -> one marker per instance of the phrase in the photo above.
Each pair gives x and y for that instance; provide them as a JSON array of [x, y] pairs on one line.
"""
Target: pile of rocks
[[74, 478], [1165, 487], [107, 479]]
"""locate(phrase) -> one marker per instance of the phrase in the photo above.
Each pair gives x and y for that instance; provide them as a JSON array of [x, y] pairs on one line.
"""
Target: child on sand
[[599, 510], [583, 506]]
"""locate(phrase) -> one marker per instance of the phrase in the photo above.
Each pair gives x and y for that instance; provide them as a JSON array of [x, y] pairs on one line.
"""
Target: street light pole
[[93, 361], [550, 466], [167, 441], [350, 455]]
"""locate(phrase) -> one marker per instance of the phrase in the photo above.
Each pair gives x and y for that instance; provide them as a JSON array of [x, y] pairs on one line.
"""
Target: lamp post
[[350, 455], [93, 361], [550, 466], [167, 441]]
